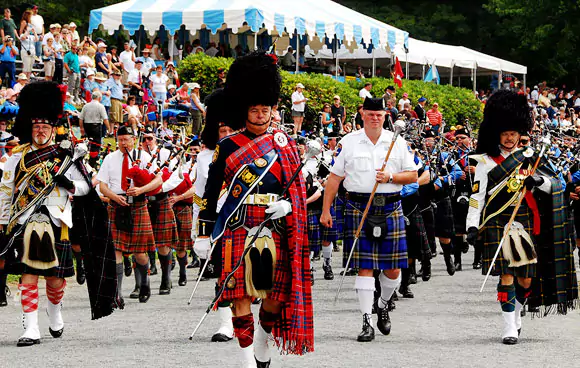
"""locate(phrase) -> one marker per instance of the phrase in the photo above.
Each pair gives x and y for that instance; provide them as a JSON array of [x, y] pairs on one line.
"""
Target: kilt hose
[[184, 220], [444, 224], [163, 222], [233, 244], [417, 242], [140, 239], [339, 211], [64, 254], [314, 231], [428, 216], [389, 253], [492, 235], [459, 216], [330, 234]]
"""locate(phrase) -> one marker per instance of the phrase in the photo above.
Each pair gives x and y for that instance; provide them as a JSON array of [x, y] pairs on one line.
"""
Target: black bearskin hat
[[39, 101], [217, 115], [504, 111], [252, 80]]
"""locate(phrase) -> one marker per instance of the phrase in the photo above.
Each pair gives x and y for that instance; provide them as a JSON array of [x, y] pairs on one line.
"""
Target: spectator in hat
[[8, 53], [298, 107], [58, 59], [389, 93], [69, 106], [102, 61], [8, 27], [116, 88], [365, 92], [136, 80], [535, 95], [90, 84], [338, 113], [101, 78], [403, 101], [11, 96], [48, 35], [73, 72], [148, 62], [38, 23], [420, 109], [434, 117], [73, 31], [172, 77], [171, 96], [21, 82], [197, 109]]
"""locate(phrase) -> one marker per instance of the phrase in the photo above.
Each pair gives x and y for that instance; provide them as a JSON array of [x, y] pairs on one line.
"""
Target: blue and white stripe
[[310, 17]]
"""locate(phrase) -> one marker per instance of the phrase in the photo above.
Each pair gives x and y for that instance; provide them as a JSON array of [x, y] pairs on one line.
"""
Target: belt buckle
[[261, 199], [379, 201]]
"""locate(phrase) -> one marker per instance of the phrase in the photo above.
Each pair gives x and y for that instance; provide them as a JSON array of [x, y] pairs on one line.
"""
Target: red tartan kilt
[[141, 239], [165, 228], [282, 273], [184, 219]]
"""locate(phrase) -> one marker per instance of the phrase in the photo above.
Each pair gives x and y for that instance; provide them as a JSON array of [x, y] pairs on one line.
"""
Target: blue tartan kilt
[[369, 254], [314, 234], [329, 234], [339, 211]]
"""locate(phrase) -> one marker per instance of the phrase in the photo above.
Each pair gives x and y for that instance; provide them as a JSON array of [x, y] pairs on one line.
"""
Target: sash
[[245, 180]]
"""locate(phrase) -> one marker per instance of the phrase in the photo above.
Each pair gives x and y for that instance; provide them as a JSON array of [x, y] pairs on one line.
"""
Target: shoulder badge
[[216, 153], [338, 150], [281, 139], [261, 162], [475, 188], [528, 152], [6, 175]]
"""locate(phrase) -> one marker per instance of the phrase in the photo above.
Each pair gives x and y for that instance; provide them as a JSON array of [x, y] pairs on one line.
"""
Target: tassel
[[267, 264], [46, 249], [34, 252], [514, 250], [529, 249], [63, 232], [256, 268], [502, 296]]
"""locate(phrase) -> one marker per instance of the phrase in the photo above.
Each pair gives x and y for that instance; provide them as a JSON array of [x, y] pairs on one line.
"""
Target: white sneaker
[[55, 322]]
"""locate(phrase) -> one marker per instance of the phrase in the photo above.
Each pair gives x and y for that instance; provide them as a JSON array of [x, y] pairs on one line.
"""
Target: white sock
[[261, 349], [388, 286], [327, 252], [365, 287]]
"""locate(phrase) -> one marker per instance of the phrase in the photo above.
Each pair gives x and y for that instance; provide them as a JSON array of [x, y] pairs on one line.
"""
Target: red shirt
[[435, 117]]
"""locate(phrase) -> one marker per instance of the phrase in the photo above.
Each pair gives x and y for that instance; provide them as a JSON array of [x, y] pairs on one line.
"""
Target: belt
[[132, 200], [55, 201], [261, 199], [378, 199], [158, 197]]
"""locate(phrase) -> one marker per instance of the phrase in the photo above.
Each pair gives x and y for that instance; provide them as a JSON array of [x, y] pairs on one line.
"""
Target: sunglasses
[[524, 141], [149, 138]]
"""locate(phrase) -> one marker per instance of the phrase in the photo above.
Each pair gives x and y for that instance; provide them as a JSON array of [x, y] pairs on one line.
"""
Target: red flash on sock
[[55, 295], [244, 329], [28, 297], [502, 296]]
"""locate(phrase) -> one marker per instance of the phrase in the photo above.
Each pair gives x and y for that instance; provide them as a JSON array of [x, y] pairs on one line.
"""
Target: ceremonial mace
[[311, 153], [399, 128], [513, 217]]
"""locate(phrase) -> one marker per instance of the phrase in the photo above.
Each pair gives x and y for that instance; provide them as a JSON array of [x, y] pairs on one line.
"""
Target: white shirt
[[159, 82], [112, 169], [148, 64], [126, 57], [402, 103], [212, 51], [46, 37], [535, 95], [86, 59], [298, 96], [37, 22], [134, 76], [363, 93], [360, 159]]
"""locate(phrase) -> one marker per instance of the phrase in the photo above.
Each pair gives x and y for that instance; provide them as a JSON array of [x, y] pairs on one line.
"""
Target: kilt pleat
[[339, 203], [390, 253], [428, 216], [491, 237], [417, 242], [140, 239], [314, 231], [184, 220], [444, 225], [329, 234], [164, 228], [235, 240], [460, 216]]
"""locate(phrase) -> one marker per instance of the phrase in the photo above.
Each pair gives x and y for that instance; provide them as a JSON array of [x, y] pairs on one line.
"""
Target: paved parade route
[[448, 324]]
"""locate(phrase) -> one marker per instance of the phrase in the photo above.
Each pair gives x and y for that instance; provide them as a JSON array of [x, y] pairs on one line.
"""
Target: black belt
[[158, 197], [133, 200], [378, 199]]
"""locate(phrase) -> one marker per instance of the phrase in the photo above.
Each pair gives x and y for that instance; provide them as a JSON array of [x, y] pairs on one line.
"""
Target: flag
[[398, 75], [432, 75]]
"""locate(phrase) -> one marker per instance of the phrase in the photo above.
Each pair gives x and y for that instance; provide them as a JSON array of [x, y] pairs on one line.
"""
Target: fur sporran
[[39, 243], [518, 248]]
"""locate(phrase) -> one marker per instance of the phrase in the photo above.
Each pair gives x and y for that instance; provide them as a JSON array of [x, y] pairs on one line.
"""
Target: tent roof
[[305, 16], [506, 66]]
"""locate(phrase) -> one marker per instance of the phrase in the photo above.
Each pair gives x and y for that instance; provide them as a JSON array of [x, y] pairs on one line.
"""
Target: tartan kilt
[[417, 242], [444, 224], [460, 216], [184, 220], [329, 234], [314, 231], [491, 237], [390, 253], [64, 254], [237, 238], [141, 239], [339, 212], [428, 216], [164, 226]]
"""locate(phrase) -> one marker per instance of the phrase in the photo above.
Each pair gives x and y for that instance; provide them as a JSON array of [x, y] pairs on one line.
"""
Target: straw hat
[[100, 76]]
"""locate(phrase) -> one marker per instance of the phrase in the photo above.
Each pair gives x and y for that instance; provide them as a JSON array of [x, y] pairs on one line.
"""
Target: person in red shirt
[[435, 117]]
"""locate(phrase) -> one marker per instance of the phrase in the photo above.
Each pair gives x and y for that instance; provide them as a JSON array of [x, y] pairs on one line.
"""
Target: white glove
[[279, 209], [201, 247]]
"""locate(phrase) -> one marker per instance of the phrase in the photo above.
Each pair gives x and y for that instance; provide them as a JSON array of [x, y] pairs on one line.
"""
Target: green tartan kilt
[[492, 235]]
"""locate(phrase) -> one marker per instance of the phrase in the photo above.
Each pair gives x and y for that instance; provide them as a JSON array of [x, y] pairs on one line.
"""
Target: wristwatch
[[390, 178]]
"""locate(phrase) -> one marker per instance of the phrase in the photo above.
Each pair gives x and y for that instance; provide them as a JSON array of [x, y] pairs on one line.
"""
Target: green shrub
[[455, 103]]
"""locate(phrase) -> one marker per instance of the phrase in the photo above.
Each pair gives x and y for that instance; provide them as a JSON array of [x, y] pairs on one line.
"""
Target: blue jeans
[[38, 48], [10, 68]]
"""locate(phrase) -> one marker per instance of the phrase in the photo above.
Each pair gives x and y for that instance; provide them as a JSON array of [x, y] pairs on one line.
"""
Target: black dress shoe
[[144, 293], [465, 247], [220, 337], [80, 271], [56, 334], [135, 293], [194, 263], [165, 287], [426, 276], [450, 266], [406, 292], [350, 272], [128, 266], [25, 341], [328, 274], [153, 270], [510, 340], [3, 301], [368, 332], [391, 306], [260, 364], [182, 280], [395, 297], [384, 321], [412, 279], [476, 265], [458, 267]]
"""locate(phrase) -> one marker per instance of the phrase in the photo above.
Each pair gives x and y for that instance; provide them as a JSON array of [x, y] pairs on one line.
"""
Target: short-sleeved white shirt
[[134, 76], [126, 58], [363, 93], [111, 169], [359, 159], [37, 22], [159, 82], [298, 96]]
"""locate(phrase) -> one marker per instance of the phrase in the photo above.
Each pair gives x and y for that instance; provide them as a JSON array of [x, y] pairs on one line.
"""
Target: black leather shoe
[[220, 337], [406, 292], [426, 266], [328, 274], [135, 293], [153, 269], [458, 267], [80, 271], [3, 301], [182, 280], [128, 267], [477, 265], [144, 293], [368, 332], [165, 287], [412, 279], [391, 306], [450, 265], [350, 272], [395, 297], [56, 334], [260, 364], [25, 341], [384, 321], [510, 340], [194, 264]]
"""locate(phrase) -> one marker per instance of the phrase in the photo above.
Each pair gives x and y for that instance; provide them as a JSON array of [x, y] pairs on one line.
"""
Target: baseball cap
[[138, 61], [405, 94], [72, 25], [35, 7], [422, 99], [435, 104], [22, 76], [101, 44], [300, 85], [336, 97], [194, 85]]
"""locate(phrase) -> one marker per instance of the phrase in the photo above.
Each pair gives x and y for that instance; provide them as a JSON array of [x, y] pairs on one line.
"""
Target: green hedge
[[455, 103]]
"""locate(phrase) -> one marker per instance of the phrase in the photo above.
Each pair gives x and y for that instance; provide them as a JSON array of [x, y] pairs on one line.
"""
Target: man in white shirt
[[288, 59], [148, 62], [126, 188], [365, 92], [38, 23], [49, 34], [382, 245], [127, 57], [403, 101], [535, 95], [211, 50], [135, 80]]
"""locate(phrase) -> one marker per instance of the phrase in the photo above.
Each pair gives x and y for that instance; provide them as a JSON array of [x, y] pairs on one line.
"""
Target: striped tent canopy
[[312, 17]]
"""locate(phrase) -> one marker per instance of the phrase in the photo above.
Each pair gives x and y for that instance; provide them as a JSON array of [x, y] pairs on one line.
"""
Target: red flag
[[398, 75]]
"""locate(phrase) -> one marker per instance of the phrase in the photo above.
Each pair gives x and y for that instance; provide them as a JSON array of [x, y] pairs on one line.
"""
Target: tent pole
[[337, 64], [256, 41], [475, 79], [374, 63], [423, 74], [297, 52], [171, 46], [406, 63], [451, 79], [525, 82]]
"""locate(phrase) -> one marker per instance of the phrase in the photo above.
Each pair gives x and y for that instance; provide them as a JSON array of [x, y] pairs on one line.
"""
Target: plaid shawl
[[294, 332], [555, 286]]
